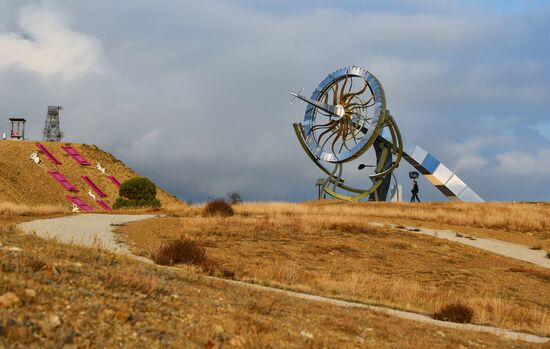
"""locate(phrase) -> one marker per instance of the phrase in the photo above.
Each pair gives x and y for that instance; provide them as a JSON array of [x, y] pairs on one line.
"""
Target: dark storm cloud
[[195, 94]]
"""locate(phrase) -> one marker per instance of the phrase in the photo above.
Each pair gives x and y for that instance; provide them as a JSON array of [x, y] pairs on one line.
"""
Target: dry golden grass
[[331, 249], [10, 209], [107, 301], [525, 223]]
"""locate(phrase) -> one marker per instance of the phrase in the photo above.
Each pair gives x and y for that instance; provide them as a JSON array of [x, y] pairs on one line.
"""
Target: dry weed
[[10, 209], [145, 283], [218, 208], [455, 312], [180, 251]]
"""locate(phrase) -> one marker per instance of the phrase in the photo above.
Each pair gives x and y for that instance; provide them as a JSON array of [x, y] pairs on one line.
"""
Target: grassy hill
[[26, 183], [66, 296], [329, 248]]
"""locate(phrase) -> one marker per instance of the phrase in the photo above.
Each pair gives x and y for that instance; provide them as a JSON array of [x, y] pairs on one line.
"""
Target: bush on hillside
[[218, 208], [180, 251], [138, 188], [190, 252], [138, 192], [455, 312]]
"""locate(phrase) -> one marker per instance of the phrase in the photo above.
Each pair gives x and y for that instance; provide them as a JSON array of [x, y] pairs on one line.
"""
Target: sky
[[195, 95]]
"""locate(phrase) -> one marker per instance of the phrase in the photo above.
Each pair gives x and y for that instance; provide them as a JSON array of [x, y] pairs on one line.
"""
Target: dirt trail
[[84, 229], [96, 229], [503, 248]]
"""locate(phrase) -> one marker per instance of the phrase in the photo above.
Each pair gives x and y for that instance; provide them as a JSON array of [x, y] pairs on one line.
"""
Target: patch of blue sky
[[395, 6], [510, 6], [544, 129]]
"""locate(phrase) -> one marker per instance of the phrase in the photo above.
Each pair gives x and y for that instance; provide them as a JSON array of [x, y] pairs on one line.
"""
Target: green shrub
[[138, 188], [138, 192], [122, 203]]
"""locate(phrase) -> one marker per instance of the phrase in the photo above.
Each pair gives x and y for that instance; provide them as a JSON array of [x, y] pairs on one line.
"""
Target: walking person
[[414, 192]]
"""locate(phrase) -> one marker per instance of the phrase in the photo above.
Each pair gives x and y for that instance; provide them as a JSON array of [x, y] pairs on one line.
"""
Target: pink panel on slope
[[104, 205], [75, 155], [93, 186], [48, 154], [114, 180], [81, 204], [62, 180]]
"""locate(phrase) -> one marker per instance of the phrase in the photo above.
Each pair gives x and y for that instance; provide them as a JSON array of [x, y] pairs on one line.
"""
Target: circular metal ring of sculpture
[[360, 106]]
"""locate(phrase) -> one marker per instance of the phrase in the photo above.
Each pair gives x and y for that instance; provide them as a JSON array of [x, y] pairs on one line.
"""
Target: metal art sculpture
[[346, 116]]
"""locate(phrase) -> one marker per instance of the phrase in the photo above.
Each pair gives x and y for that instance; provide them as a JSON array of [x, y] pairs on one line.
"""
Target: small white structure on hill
[[100, 169], [35, 158]]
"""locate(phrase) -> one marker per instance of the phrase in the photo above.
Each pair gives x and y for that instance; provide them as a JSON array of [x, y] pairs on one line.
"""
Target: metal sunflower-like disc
[[358, 98]]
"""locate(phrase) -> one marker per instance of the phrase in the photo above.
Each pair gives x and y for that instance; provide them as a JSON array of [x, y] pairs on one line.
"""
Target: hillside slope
[[24, 182]]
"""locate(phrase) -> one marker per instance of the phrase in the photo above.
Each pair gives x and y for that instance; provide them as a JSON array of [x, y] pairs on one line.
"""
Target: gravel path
[[503, 248], [84, 229], [96, 229]]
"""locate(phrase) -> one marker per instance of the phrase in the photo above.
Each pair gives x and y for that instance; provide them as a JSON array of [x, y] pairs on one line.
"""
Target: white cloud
[[467, 153], [522, 163], [46, 44], [470, 162]]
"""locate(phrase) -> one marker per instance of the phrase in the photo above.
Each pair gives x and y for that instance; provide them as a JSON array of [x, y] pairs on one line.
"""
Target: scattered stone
[[30, 293], [306, 334], [49, 324], [54, 321], [236, 341], [9, 299]]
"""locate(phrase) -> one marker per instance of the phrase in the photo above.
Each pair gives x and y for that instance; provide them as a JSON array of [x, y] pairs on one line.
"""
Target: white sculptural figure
[[35, 158], [91, 194], [75, 209], [101, 169]]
